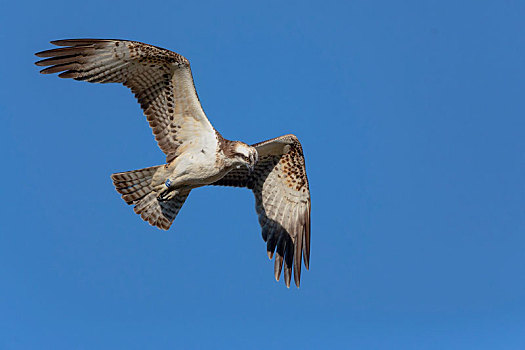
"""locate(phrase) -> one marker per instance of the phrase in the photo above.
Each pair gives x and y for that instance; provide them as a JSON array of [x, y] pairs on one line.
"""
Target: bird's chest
[[196, 166], [200, 164]]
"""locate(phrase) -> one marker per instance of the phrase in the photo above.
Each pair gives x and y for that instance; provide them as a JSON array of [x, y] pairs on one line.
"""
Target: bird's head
[[244, 154]]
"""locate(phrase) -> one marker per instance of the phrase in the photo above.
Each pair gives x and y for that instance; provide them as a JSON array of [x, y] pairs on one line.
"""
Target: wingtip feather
[[69, 42], [278, 266], [306, 240], [298, 250], [287, 276]]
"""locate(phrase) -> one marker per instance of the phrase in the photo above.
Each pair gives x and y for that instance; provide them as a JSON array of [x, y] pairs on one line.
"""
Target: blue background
[[411, 115]]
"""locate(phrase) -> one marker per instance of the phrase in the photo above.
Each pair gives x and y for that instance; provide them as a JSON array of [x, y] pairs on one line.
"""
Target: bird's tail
[[137, 188]]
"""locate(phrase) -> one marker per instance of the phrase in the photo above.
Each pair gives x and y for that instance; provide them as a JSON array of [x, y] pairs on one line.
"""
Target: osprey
[[197, 154]]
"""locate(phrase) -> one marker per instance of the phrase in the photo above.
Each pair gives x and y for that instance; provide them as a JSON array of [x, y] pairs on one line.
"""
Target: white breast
[[197, 164]]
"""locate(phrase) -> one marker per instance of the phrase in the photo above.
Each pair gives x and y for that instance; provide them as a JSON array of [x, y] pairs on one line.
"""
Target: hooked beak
[[253, 161], [250, 167]]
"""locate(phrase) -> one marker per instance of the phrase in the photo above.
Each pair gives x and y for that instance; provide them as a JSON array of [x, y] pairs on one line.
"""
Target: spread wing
[[282, 201], [160, 79]]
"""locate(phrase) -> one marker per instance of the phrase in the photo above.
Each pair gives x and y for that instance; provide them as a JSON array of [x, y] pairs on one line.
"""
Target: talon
[[162, 192], [166, 195], [162, 197]]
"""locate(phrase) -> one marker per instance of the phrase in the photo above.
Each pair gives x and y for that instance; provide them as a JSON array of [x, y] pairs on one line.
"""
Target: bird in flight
[[196, 154]]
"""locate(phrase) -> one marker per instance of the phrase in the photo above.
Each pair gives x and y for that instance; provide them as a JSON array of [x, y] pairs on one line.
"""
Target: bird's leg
[[176, 176], [166, 191]]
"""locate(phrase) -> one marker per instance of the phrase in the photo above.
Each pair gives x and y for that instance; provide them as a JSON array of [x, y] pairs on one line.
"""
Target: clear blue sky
[[411, 115]]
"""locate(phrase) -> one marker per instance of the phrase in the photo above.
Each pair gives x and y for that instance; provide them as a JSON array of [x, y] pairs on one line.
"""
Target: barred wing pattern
[[160, 79], [282, 202]]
